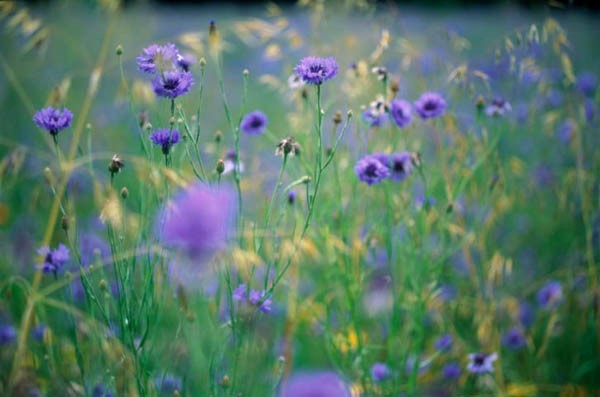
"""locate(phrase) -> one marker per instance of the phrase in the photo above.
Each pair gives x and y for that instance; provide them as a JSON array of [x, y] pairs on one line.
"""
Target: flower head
[[443, 343], [172, 84], [287, 146], [100, 390], [380, 372], [314, 384], [197, 220], [254, 123], [401, 112], [480, 363], [7, 334], [239, 294], [376, 114], [168, 384], [185, 61], [513, 338], [229, 160], [401, 166], [370, 170], [586, 83], [54, 259], [53, 120], [498, 107], [550, 295], [158, 58], [451, 371], [316, 70], [295, 81], [430, 104], [165, 138], [257, 298]]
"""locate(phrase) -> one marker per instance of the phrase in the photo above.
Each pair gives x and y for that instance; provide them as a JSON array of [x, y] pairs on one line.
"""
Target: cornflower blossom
[[550, 295], [254, 123], [370, 170], [8, 334], [376, 114], [168, 384], [498, 107], [380, 372], [53, 259], [172, 84], [443, 343], [257, 298], [53, 120], [430, 105], [451, 371], [165, 138], [401, 112], [513, 338], [480, 363], [314, 384], [586, 83], [316, 70], [400, 165], [158, 58]]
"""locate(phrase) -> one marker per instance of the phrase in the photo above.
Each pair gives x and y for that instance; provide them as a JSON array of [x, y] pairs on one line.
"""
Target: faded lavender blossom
[[168, 384], [165, 138], [8, 334], [172, 84], [430, 104], [257, 298], [443, 343], [53, 120], [287, 146], [198, 220], [451, 371], [380, 372], [513, 338], [370, 170], [550, 295], [480, 363], [229, 162], [239, 293], [498, 107], [254, 123], [157, 58], [314, 384], [53, 259], [316, 70], [566, 131], [376, 114], [586, 83], [401, 112], [400, 165], [294, 82]]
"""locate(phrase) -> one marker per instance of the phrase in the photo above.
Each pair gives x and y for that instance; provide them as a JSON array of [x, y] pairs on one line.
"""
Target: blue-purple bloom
[[480, 363], [100, 390], [239, 293], [53, 120], [370, 170], [165, 138], [586, 83], [8, 334], [443, 343], [316, 70], [400, 165], [254, 123], [37, 332], [401, 112], [513, 338], [550, 295], [291, 197], [566, 131], [498, 107], [172, 84], [380, 372], [198, 220], [430, 104], [257, 298], [374, 119], [451, 371], [54, 259], [314, 384], [167, 384], [156, 58], [526, 314], [185, 62]]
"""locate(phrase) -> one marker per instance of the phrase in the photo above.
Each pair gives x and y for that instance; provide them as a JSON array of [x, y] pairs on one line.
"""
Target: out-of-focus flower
[[401, 112], [8, 334], [198, 220], [295, 81], [498, 107], [54, 259], [314, 384], [401, 166], [37, 332], [526, 314], [257, 298], [480, 363], [168, 384], [165, 138], [254, 123], [287, 146], [185, 61], [370, 170], [100, 390], [380, 372], [239, 293], [586, 83], [430, 104], [172, 84], [376, 114], [316, 70], [566, 131], [443, 343], [53, 120], [229, 161], [291, 197], [550, 295], [451, 371], [513, 338], [156, 58]]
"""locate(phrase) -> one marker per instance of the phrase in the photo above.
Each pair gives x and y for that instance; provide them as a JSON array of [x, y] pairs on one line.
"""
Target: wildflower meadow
[[320, 199]]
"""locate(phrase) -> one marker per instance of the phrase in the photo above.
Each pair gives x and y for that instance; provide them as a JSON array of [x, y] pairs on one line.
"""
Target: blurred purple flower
[[550, 295], [8, 334], [401, 112], [257, 298], [168, 384], [291, 197], [374, 119], [198, 220], [430, 104], [157, 58], [498, 107], [526, 314], [480, 363], [586, 83], [314, 384], [443, 343], [589, 108], [254, 123], [165, 138], [37, 332], [172, 84], [100, 390], [54, 259], [239, 294], [380, 372], [370, 170], [566, 131], [400, 165], [185, 61], [513, 338], [53, 120], [553, 99], [451, 371], [316, 70]]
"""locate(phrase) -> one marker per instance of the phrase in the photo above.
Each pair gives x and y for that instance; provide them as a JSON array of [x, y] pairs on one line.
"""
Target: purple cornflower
[[401, 112], [451, 371], [100, 390], [37, 332], [54, 259], [7, 334], [375, 115], [550, 295], [257, 299], [314, 384], [254, 123], [168, 384], [165, 138], [443, 343], [316, 70], [480, 363], [239, 294], [380, 372], [430, 104], [198, 219], [370, 170], [185, 61], [498, 107], [400, 165], [587, 83], [53, 120], [566, 131], [513, 338], [158, 58], [172, 84]]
